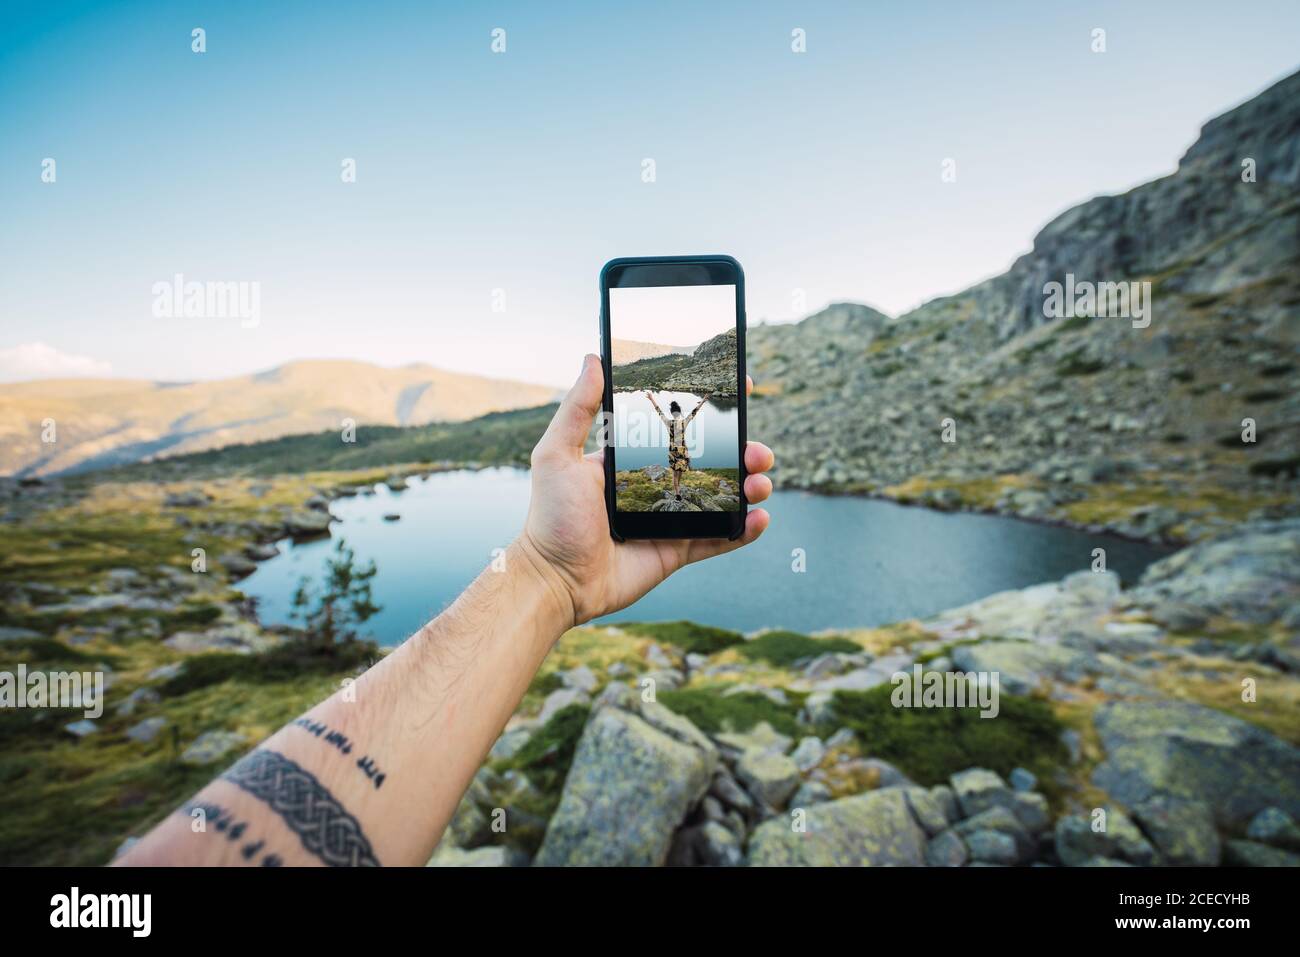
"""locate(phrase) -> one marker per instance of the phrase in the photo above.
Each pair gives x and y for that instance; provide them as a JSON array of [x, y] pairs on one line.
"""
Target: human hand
[[566, 534]]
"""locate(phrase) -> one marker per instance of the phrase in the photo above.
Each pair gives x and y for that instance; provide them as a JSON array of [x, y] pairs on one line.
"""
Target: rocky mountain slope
[[1085, 420], [107, 422], [710, 367]]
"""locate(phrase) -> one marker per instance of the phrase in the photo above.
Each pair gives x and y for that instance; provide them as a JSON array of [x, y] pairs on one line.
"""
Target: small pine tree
[[344, 604]]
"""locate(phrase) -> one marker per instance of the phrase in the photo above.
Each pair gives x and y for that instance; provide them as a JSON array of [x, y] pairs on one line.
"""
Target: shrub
[[709, 710], [686, 635], [783, 648], [283, 663], [930, 744]]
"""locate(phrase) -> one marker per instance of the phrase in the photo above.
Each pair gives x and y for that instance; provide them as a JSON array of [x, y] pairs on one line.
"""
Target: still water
[[868, 562], [640, 438]]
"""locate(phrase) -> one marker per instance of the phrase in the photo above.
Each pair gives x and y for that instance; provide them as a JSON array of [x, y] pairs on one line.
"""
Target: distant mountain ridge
[[709, 367], [630, 350], [109, 422]]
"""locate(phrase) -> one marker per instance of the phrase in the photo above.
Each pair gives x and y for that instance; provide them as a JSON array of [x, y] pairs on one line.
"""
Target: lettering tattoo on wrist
[[319, 729], [324, 826]]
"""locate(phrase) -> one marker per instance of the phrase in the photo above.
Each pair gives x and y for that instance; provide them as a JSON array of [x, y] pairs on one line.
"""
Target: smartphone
[[672, 340]]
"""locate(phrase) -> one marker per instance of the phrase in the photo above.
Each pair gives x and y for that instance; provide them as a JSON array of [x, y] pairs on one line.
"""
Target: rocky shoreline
[[1165, 762], [1118, 706]]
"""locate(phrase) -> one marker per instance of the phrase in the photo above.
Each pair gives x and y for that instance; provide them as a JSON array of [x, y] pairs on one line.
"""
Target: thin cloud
[[36, 360]]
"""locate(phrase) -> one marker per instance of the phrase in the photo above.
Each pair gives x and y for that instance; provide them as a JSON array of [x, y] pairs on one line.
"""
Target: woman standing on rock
[[679, 460]]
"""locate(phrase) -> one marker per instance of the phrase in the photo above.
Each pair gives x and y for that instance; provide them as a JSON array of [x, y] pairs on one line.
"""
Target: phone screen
[[676, 416]]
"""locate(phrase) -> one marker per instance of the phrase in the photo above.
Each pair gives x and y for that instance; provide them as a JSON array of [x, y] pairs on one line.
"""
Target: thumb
[[571, 425]]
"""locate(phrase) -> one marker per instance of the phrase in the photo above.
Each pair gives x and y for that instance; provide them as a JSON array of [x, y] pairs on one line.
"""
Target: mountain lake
[[867, 562]]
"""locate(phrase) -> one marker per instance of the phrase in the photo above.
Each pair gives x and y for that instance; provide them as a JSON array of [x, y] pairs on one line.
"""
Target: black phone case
[[607, 363]]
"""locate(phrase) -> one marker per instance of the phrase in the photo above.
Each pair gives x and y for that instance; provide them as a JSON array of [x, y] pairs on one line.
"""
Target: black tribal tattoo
[[322, 824]]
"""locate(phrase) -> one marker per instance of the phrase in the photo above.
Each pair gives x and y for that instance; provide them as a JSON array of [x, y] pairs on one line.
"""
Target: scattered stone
[[146, 730], [761, 737], [769, 776], [841, 739], [809, 793], [166, 672], [236, 565], [580, 678], [871, 829], [18, 634], [929, 810], [261, 552], [629, 788], [992, 847], [946, 849], [978, 789], [1022, 780], [138, 698], [509, 744], [808, 754], [187, 499], [668, 680], [617, 695], [560, 699], [731, 794], [1274, 826], [1182, 831], [451, 856], [81, 728], [211, 746], [1251, 854]]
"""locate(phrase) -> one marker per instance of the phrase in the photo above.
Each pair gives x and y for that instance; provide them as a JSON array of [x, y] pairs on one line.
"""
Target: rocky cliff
[[984, 400]]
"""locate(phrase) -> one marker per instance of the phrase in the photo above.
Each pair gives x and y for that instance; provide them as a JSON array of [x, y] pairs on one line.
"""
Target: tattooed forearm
[[203, 814], [369, 767], [323, 825]]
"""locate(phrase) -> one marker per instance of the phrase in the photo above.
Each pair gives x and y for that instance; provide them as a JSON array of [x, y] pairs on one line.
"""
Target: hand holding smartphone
[[673, 349]]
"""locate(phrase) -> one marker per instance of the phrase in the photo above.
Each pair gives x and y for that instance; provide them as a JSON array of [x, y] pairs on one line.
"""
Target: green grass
[[709, 710], [286, 662], [499, 438], [783, 648], [686, 635], [930, 744], [545, 761]]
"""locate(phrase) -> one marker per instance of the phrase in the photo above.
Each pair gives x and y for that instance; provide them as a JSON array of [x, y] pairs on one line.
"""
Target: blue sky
[[522, 171]]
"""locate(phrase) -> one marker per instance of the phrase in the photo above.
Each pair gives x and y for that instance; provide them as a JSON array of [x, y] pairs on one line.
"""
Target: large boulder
[[1184, 750], [629, 788], [768, 775], [1024, 666], [1252, 574], [874, 829]]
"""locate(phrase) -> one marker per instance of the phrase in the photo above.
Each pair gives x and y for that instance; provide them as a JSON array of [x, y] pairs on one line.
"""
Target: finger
[[758, 457], [749, 385], [597, 456], [572, 421], [757, 488], [755, 524]]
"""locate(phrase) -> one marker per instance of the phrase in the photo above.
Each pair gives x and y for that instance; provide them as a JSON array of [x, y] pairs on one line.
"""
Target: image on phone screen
[[675, 415]]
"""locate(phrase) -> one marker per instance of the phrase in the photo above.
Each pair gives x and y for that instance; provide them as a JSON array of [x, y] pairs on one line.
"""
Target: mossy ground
[[711, 710], [637, 491], [65, 800], [930, 744], [784, 648]]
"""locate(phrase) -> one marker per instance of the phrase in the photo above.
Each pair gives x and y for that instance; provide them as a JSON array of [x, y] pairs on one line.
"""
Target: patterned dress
[[679, 460]]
